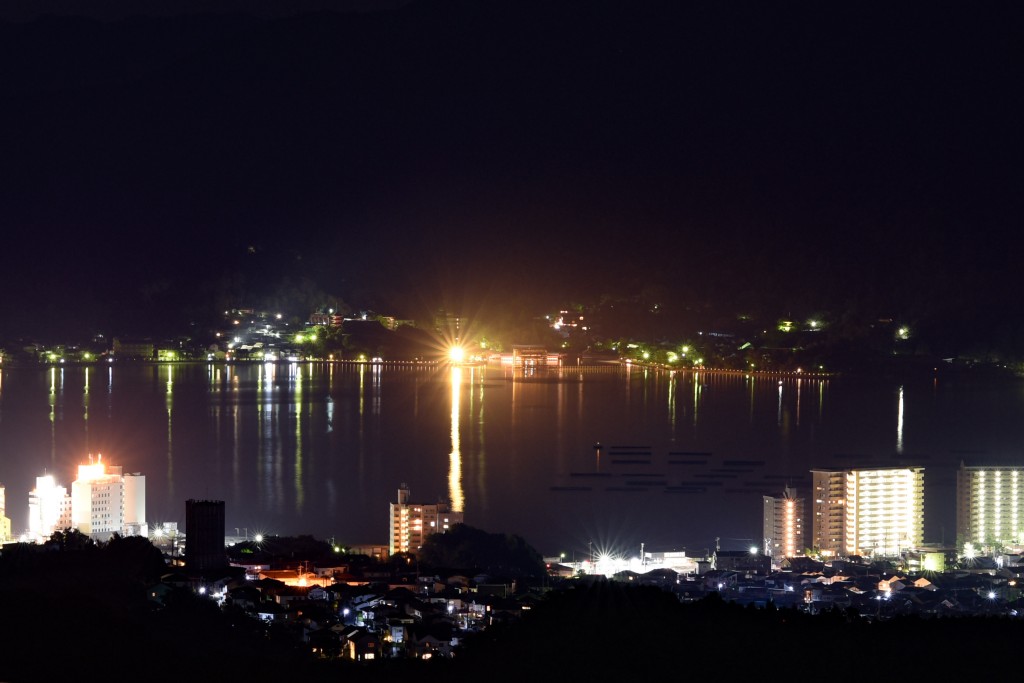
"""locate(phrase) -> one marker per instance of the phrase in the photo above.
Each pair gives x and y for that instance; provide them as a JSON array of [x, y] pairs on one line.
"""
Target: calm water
[[320, 449]]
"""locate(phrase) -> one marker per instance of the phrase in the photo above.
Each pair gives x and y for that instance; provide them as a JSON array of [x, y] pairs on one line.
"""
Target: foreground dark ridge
[[95, 601]]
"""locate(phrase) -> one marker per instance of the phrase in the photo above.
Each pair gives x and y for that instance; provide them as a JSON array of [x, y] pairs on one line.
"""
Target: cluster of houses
[[342, 616], [987, 586], [361, 618]]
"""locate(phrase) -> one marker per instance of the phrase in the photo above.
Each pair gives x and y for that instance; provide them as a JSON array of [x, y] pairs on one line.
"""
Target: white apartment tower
[[872, 512], [783, 525], [49, 509], [5, 522], [989, 506], [413, 523], [135, 505]]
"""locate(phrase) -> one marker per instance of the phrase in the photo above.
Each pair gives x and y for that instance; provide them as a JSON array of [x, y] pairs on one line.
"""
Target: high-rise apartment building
[[98, 501], [784, 525], [413, 523], [989, 506], [875, 512]]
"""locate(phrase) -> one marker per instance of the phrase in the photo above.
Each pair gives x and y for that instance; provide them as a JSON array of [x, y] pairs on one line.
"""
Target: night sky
[[795, 156]]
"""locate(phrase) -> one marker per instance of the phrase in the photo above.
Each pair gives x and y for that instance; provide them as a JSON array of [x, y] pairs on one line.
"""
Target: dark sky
[[791, 154]]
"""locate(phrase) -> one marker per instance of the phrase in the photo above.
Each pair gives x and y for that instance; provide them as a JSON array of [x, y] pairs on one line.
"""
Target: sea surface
[[573, 459]]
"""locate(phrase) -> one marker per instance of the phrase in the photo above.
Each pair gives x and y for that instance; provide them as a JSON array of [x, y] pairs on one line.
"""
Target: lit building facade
[[135, 505], [989, 506], [414, 523], [133, 348], [98, 501], [5, 522], [784, 525], [872, 512], [529, 355], [49, 509]]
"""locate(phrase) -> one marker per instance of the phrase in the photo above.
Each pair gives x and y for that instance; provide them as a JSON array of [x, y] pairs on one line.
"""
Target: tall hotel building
[[413, 523], [989, 506], [874, 512], [784, 524], [104, 501]]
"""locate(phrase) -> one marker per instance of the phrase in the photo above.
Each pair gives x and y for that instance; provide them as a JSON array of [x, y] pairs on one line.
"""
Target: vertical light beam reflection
[[362, 394], [85, 409], [479, 460], [300, 492], [110, 391], [798, 381], [672, 401], [899, 423], [750, 381], [696, 395], [455, 458], [330, 400], [53, 414], [821, 398], [375, 388], [170, 443], [778, 415]]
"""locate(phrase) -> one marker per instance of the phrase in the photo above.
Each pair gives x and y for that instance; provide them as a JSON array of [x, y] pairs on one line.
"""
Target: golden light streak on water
[[455, 493], [899, 424], [170, 443], [300, 493]]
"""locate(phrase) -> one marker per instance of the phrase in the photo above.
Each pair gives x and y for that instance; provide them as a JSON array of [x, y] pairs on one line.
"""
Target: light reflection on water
[[455, 495], [320, 448]]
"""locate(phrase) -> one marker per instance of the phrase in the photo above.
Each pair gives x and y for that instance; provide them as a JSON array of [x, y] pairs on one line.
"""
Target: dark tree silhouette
[[467, 548]]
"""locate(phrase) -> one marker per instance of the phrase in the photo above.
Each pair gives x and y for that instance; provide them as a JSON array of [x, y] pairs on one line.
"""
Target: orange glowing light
[[456, 354]]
